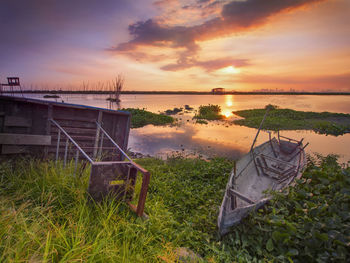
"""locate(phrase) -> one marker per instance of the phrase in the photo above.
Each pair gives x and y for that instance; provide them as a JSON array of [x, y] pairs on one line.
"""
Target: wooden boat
[[272, 165]]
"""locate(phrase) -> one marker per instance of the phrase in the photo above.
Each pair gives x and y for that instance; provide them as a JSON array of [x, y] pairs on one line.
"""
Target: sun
[[227, 113], [230, 70]]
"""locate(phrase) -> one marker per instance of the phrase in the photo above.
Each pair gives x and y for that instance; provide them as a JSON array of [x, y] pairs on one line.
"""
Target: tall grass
[[46, 216]]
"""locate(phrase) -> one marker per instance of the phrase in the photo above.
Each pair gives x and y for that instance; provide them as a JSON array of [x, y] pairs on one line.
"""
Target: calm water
[[220, 138]]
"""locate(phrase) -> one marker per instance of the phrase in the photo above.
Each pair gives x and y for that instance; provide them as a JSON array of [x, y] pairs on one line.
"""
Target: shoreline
[[176, 92]]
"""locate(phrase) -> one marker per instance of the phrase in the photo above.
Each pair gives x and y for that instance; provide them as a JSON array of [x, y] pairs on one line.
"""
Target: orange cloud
[[338, 82], [235, 16]]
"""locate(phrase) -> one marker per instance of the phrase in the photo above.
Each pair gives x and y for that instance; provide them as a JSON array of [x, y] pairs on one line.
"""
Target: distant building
[[218, 91]]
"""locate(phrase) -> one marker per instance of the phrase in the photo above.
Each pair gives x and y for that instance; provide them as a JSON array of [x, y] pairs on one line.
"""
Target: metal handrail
[[121, 150], [115, 144], [72, 140], [139, 209]]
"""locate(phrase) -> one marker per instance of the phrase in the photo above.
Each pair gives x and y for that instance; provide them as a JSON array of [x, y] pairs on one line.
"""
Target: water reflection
[[185, 139], [229, 100], [219, 137]]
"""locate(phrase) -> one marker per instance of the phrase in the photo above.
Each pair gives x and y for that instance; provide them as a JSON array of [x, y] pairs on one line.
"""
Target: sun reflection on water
[[229, 100], [227, 112]]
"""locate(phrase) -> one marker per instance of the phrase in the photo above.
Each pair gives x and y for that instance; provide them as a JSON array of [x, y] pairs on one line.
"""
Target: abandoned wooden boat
[[272, 165], [80, 133]]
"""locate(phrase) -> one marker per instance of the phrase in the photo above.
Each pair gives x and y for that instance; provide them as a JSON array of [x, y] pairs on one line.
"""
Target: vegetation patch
[[188, 107], [173, 111], [209, 112], [141, 117], [45, 216], [200, 121], [286, 119]]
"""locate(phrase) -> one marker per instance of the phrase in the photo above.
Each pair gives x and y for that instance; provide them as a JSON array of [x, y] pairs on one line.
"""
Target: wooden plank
[[77, 138], [14, 121], [13, 149], [24, 139], [76, 124], [239, 195], [48, 127], [73, 118], [74, 130], [97, 137]]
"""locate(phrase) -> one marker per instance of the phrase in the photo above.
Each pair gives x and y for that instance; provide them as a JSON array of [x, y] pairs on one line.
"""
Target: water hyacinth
[[46, 216]]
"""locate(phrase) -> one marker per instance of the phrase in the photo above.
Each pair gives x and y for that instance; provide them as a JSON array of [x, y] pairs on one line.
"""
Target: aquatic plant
[[200, 121], [173, 111], [209, 112], [141, 117], [116, 89], [45, 216]]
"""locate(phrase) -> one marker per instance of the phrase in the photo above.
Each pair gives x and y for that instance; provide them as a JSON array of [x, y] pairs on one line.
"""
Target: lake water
[[220, 138]]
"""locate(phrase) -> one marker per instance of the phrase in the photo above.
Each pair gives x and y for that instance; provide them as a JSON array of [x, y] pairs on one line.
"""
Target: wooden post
[[99, 120], [48, 128], [65, 153], [143, 194]]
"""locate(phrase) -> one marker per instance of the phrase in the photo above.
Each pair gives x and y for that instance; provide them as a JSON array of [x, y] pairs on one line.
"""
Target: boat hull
[[266, 167]]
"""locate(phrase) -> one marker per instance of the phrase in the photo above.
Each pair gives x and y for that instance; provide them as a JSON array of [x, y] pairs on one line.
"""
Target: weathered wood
[[24, 139], [48, 127], [14, 121], [74, 118], [75, 130], [13, 149], [79, 138], [32, 124], [241, 196], [143, 194], [97, 137], [77, 124], [250, 189], [100, 178]]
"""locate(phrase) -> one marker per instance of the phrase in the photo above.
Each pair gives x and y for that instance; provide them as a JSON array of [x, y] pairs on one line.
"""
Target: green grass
[[141, 117], [286, 119], [46, 217], [209, 112]]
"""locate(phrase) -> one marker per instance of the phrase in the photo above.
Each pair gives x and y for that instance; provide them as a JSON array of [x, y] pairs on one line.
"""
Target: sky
[[177, 45]]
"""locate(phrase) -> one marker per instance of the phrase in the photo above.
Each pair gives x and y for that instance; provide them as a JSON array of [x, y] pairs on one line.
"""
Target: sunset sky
[[193, 45]]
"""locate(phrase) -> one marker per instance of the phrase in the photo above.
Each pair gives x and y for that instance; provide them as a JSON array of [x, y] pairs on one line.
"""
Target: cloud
[[342, 79], [335, 81], [208, 65], [235, 16]]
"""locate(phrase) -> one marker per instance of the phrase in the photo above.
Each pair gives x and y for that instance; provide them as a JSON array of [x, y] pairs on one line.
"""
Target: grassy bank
[[141, 117], [45, 216], [286, 119]]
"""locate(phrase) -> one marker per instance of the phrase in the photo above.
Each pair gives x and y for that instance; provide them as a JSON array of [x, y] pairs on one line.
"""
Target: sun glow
[[227, 113], [230, 70]]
